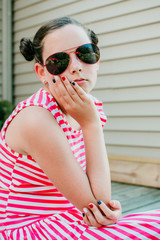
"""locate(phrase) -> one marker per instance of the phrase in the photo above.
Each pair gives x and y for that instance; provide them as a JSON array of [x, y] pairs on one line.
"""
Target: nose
[[75, 64]]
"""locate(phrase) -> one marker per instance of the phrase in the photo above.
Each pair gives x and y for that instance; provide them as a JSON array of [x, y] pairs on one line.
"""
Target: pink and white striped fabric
[[31, 208]]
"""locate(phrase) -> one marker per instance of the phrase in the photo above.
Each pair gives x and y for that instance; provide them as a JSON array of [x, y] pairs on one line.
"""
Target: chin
[[86, 89]]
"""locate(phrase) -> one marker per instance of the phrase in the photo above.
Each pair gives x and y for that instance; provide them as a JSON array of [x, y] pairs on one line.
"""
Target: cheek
[[92, 68], [92, 72], [49, 77]]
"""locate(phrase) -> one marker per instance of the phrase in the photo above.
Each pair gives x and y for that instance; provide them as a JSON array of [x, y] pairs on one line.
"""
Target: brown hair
[[33, 50]]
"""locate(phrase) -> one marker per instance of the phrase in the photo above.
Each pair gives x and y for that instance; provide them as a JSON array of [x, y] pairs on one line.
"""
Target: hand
[[101, 215], [75, 101]]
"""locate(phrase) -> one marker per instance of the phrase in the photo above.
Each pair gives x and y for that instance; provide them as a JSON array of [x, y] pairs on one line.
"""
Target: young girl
[[55, 178]]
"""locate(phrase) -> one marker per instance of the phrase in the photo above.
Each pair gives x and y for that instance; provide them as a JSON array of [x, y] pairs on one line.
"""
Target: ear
[[39, 70]]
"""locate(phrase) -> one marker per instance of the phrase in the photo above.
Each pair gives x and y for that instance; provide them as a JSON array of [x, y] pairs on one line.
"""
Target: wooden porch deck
[[135, 198]]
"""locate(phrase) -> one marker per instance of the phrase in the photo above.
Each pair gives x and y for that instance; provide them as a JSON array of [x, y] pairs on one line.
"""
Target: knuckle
[[64, 95]]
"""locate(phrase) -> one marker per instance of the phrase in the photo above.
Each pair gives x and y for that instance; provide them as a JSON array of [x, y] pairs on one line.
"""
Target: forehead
[[66, 37]]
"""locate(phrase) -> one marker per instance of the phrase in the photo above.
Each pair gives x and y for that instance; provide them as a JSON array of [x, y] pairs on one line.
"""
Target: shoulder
[[33, 112], [30, 115], [29, 123], [39, 130], [36, 118]]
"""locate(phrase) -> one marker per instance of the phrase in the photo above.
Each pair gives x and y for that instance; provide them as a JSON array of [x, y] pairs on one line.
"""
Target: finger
[[116, 207], [71, 91], [100, 218], [81, 93], [61, 92], [85, 219], [54, 85], [90, 218], [115, 204], [98, 214], [107, 212]]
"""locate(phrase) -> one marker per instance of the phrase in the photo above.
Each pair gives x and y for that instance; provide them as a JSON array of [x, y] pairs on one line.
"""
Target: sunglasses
[[57, 63]]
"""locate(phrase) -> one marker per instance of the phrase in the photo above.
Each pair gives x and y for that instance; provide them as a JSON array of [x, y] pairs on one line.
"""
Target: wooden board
[[132, 170], [135, 198]]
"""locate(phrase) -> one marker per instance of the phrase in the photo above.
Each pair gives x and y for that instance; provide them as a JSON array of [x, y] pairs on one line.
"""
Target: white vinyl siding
[[129, 76]]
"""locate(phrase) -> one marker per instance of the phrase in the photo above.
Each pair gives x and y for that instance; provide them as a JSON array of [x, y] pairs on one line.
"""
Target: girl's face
[[61, 40]]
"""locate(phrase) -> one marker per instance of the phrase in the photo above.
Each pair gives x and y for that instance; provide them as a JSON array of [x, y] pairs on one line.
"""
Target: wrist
[[93, 125]]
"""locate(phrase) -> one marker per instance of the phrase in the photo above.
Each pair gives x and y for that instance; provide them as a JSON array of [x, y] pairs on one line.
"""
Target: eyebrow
[[71, 48]]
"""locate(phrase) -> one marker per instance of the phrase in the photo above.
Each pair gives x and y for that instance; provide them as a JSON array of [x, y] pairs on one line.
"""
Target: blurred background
[[128, 80]]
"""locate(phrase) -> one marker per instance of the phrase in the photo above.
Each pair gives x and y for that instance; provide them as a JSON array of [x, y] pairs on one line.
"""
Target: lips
[[80, 81]]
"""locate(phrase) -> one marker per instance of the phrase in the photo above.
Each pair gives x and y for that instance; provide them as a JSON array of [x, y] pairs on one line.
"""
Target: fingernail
[[54, 80], [63, 78], [85, 210], [99, 202], [83, 214], [73, 83], [90, 205]]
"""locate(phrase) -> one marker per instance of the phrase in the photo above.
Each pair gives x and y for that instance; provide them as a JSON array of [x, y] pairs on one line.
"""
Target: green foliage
[[6, 109]]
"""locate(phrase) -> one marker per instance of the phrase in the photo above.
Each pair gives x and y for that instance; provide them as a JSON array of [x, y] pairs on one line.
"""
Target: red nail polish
[[63, 78], [90, 205]]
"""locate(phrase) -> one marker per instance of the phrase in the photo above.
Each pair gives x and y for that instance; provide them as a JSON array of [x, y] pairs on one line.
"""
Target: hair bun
[[94, 37], [27, 49]]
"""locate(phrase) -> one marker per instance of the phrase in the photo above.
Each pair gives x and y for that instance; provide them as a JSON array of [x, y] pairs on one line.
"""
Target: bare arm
[[97, 162], [45, 141], [80, 106], [40, 136]]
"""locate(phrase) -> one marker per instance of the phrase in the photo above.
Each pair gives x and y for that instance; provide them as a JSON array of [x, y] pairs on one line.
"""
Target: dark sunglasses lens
[[88, 53], [57, 63]]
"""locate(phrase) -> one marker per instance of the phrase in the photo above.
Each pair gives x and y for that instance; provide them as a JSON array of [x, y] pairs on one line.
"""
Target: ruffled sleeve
[[99, 106]]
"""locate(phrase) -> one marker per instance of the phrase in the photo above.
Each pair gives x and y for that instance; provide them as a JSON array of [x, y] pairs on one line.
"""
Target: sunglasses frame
[[66, 51]]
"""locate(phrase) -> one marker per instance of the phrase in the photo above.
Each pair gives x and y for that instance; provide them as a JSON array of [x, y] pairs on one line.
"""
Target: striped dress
[[32, 208]]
